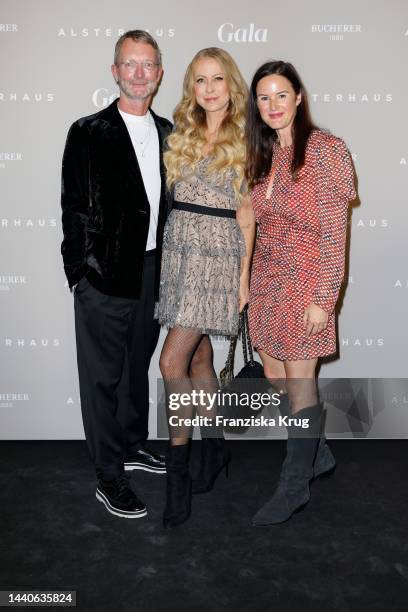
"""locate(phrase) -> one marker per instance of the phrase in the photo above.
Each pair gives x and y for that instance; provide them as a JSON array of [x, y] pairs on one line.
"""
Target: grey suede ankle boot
[[324, 463], [292, 492]]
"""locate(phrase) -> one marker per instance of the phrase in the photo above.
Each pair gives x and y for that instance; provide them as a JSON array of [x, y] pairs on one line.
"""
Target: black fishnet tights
[[186, 363]]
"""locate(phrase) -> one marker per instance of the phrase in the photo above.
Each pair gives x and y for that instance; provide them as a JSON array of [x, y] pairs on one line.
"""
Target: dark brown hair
[[260, 137]]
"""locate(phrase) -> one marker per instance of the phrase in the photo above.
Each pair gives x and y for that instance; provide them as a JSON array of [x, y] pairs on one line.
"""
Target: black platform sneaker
[[145, 459], [119, 499]]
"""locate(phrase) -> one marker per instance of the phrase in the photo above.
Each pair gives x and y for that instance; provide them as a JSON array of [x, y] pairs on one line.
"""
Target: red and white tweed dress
[[300, 248]]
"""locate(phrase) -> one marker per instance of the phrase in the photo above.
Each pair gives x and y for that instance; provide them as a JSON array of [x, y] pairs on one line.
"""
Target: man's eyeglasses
[[147, 65]]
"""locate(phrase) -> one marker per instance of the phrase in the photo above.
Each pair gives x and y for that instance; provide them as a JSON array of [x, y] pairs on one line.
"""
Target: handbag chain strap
[[229, 364], [227, 374], [242, 321], [246, 340]]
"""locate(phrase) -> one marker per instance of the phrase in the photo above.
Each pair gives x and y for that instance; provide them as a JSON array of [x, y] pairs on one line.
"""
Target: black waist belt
[[204, 210]]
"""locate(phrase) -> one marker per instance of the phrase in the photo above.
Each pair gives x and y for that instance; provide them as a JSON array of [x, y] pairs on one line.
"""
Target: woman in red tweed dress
[[302, 181]]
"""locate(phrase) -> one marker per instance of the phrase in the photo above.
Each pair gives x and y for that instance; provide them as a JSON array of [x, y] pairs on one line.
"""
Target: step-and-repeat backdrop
[[55, 67]]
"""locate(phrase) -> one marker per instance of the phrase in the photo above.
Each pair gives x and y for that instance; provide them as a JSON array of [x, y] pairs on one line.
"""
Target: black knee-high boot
[[178, 486], [292, 492], [324, 463]]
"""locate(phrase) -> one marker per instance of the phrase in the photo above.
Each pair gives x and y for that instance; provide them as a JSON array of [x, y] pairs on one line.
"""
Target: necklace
[[145, 140]]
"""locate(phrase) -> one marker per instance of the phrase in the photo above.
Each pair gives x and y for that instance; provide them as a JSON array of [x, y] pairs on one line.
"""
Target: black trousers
[[115, 339]]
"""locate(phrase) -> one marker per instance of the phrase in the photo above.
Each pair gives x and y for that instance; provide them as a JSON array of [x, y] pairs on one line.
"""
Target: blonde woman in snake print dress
[[302, 181], [205, 270]]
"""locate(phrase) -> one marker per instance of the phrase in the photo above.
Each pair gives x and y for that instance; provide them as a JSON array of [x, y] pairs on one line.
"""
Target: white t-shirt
[[143, 133]]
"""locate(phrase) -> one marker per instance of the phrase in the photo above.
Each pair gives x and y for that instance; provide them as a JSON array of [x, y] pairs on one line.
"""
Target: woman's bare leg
[[301, 383], [274, 371]]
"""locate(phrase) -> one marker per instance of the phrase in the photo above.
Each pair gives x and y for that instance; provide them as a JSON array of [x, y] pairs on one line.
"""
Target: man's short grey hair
[[137, 36]]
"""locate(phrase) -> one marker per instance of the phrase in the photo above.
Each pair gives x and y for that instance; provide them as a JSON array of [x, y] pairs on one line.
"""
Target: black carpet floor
[[347, 550]]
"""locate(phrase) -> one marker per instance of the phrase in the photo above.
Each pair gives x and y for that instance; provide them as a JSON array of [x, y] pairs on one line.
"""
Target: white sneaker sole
[[145, 468], [122, 513]]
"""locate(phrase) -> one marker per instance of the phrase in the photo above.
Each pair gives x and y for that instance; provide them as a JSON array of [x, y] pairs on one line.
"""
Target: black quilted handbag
[[250, 378]]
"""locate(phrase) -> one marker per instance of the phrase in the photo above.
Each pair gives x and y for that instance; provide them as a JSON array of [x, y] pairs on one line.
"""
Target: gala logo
[[227, 33]]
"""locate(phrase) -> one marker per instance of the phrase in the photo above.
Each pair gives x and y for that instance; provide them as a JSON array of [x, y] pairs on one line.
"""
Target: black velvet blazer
[[105, 209]]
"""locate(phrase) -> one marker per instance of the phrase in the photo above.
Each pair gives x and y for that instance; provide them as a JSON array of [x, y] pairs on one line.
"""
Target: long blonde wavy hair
[[185, 144]]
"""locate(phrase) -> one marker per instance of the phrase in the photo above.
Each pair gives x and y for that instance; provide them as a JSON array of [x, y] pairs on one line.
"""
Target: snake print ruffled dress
[[199, 285]]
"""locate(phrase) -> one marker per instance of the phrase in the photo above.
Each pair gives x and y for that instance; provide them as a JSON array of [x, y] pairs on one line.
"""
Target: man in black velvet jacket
[[114, 207]]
